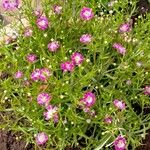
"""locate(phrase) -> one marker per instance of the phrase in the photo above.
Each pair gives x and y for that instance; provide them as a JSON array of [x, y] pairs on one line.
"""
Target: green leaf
[[103, 141]]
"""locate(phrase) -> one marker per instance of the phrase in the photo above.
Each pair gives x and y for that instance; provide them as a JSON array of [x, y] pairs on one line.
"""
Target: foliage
[[105, 72]]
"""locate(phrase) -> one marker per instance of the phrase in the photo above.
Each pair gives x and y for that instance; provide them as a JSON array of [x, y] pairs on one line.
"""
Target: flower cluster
[[67, 66], [119, 104], [126, 27], [86, 38], [86, 13], [53, 46], [18, 74], [76, 59], [44, 99], [51, 112], [31, 58], [42, 22], [87, 101], [41, 138], [40, 74]]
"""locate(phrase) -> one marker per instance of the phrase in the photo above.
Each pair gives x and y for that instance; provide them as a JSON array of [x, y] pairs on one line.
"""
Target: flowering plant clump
[[77, 75]]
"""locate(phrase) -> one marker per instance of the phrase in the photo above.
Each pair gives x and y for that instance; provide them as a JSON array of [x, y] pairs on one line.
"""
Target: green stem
[[103, 141]]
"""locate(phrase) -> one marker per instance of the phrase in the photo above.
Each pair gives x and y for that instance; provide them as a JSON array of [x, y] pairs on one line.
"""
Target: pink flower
[[41, 74], [43, 99], [57, 9], [108, 120], [18, 74], [77, 58], [88, 99], [51, 113], [67, 66], [28, 32], [31, 58], [38, 12], [86, 13], [44, 74], [126, 27], [53, 46], [147, 90], [42, 22], [120, 143], [86, 38], [35, 75], [41, 138], [120, 49], [10, 4], [119, 104]]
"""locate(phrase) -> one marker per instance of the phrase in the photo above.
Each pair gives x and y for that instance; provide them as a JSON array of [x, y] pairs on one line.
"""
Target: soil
[[146, 143], [8, 140], [143, 6]]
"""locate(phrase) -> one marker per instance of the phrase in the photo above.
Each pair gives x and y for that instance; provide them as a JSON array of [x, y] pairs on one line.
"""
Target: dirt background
[[8, 142]]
